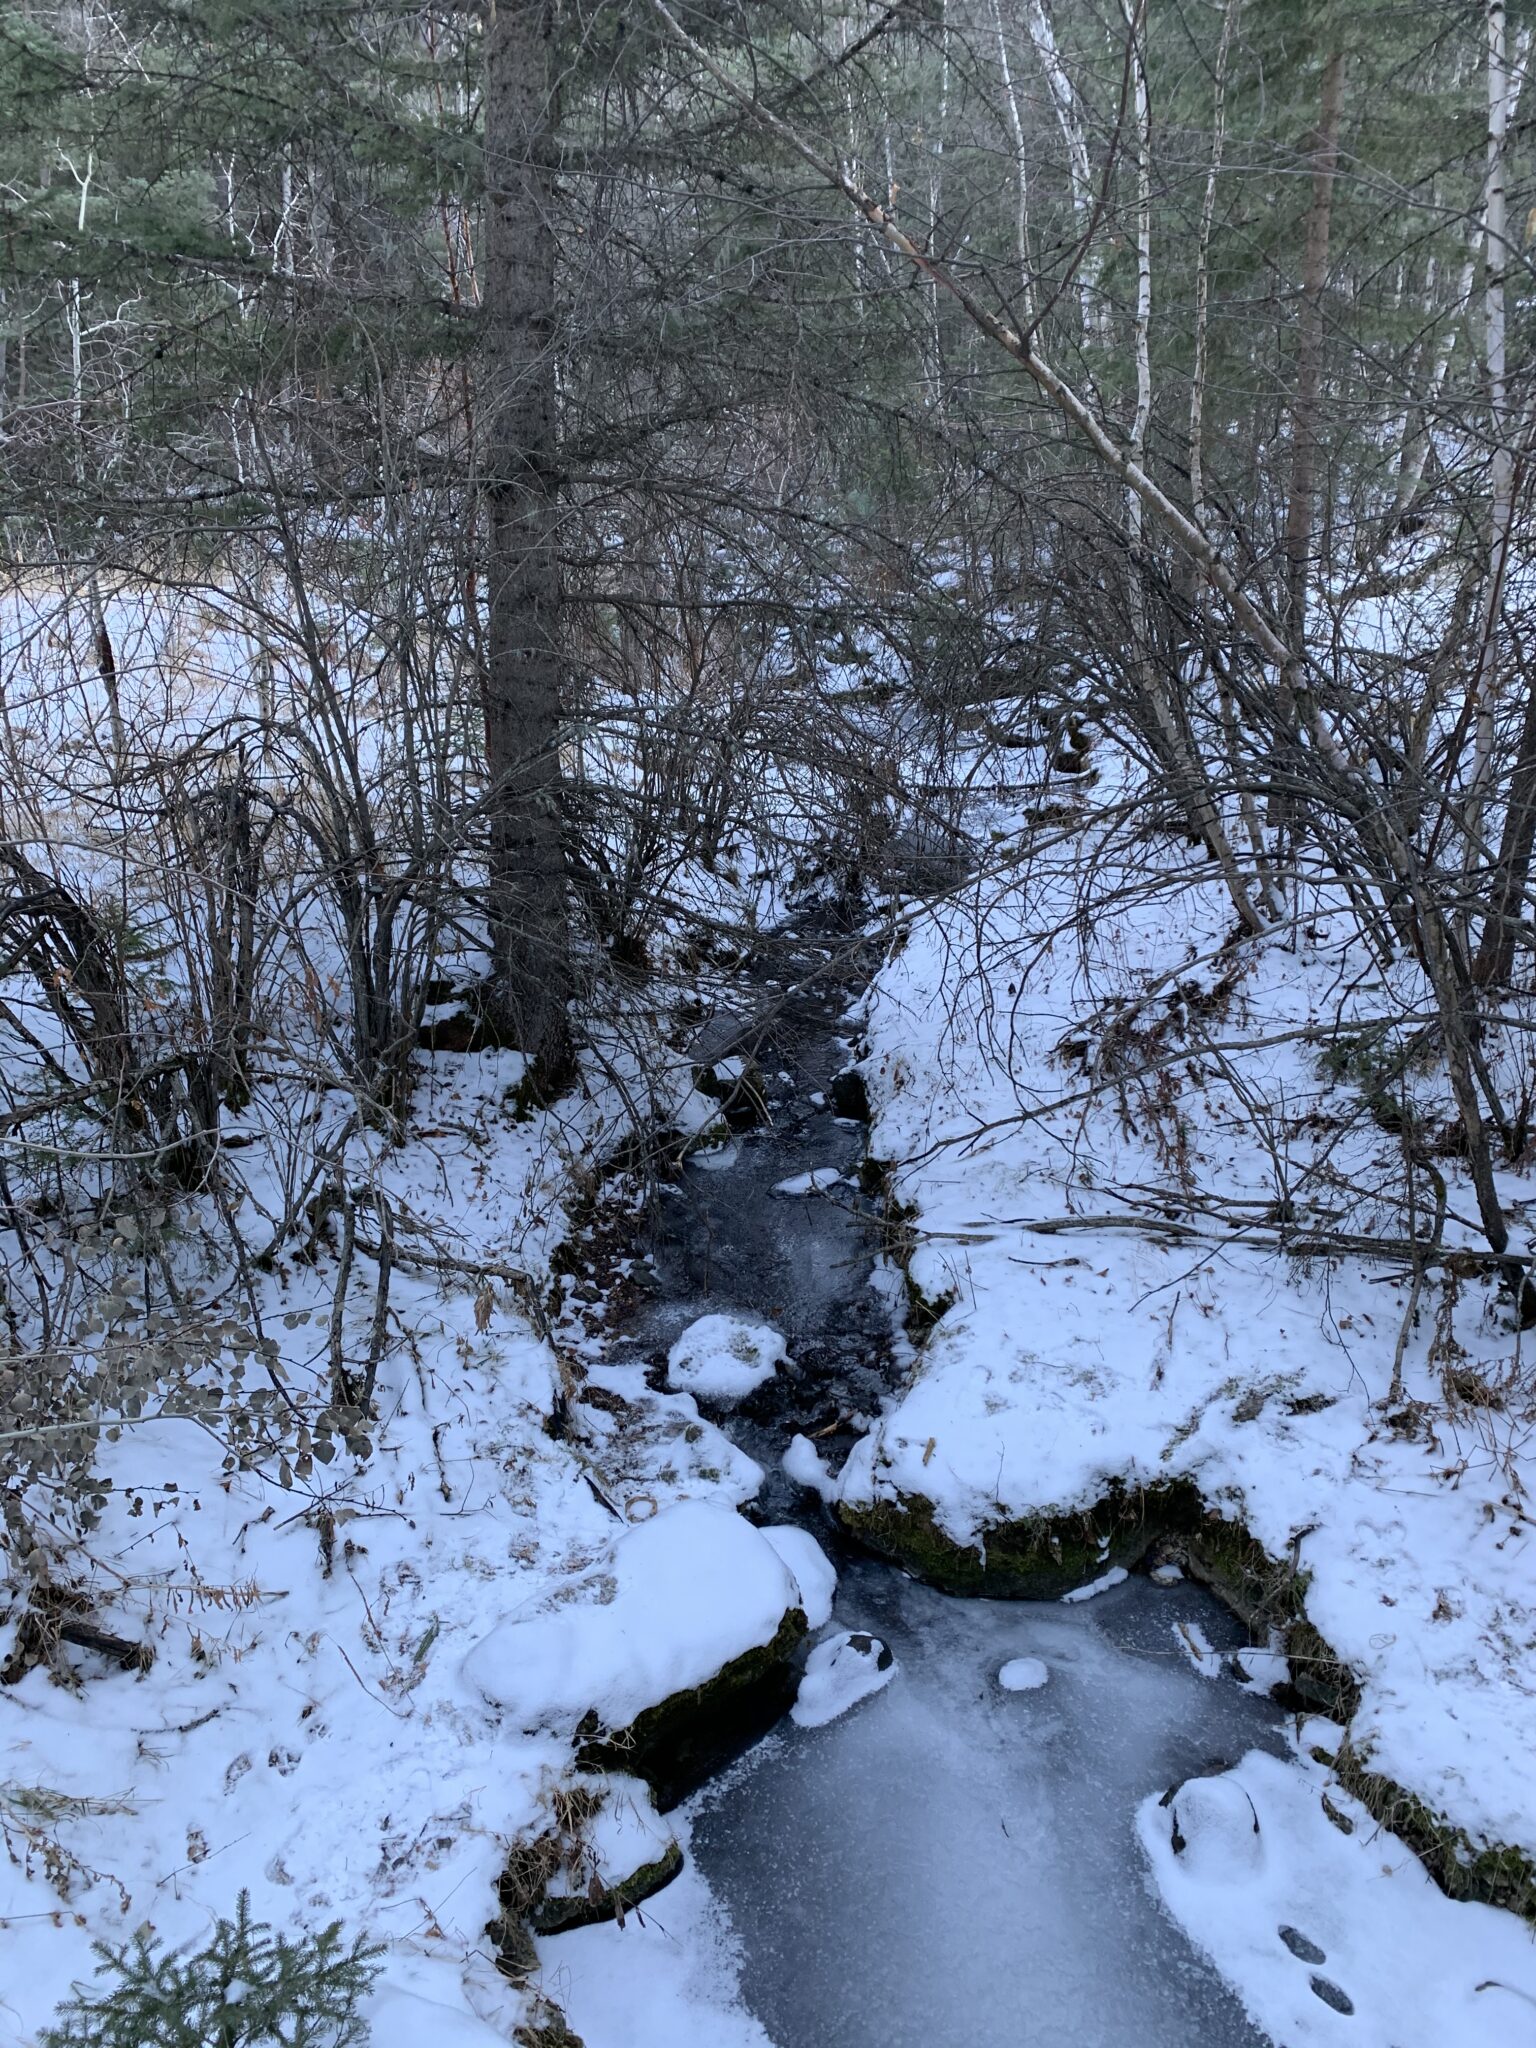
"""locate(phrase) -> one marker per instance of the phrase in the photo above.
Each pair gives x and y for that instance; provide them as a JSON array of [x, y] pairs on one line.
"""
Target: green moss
[[559, 1914], [1267, 1594], [1037, 1558], [676, 1744], [1497, 1876]]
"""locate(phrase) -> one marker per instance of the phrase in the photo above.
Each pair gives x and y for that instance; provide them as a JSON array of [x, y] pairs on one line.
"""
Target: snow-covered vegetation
[[767, 1024]]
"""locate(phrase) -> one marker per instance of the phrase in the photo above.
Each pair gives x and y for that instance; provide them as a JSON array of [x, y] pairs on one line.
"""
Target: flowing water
[[949, 1864]]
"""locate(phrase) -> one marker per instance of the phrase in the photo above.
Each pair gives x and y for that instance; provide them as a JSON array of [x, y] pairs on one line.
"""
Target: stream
[[948, 1864]]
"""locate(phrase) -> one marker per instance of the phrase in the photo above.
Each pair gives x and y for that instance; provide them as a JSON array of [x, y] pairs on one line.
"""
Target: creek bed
[[948, 1865]]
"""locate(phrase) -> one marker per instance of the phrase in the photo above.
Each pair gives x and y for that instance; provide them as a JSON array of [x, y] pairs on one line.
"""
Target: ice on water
[[956, 1866]]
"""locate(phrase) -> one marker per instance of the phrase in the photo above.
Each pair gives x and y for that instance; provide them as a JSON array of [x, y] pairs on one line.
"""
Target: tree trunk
[[1507, 897], [1495, 265], [1309, 379], [1042, 34], [1020, 168], [1230, 11], [530, 931]]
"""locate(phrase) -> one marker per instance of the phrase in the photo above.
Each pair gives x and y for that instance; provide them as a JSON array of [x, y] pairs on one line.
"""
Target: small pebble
[[1305, 1951], [1330, 1994]]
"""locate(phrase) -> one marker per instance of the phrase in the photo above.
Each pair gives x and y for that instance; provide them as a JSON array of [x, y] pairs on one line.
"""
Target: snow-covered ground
[[315, 1726], [1117, 1141], [1104, 1126], [1330, 1928]]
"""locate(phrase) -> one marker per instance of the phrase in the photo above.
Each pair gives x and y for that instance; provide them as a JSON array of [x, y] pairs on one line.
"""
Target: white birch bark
[[1495, 267], [1020, 168], [1042, 35], [1203, 264]]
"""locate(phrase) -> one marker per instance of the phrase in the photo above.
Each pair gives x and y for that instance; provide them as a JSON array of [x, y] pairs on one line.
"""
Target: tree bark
[[1324, 155], [530, 930], [1020, 167], [1229, 14], [1042, 34], [1495, 266]]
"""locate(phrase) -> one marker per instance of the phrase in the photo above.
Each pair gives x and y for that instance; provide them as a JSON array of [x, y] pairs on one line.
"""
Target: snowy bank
[[1114, 1347]]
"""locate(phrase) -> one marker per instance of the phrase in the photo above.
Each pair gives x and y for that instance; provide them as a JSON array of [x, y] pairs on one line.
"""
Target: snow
[[665, 1979], [1075, 1119], [1262, 1670], [399, 2019], [676, 1599], [1024, 1674], [623, 1836], [725, 1357], [805, 1465], [812, 1570], [1262, 1856], [1115, 1576], [716, 1156], [816, 1182], [838, 1674], [1077, 1130], [1192, 1640]]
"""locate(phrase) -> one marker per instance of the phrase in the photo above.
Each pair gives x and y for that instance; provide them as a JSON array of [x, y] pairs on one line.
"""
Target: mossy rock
[[1266, 1594], [743, 1097], [1038, 1558], [558, 1914], [924, 1310], [678, 1743]]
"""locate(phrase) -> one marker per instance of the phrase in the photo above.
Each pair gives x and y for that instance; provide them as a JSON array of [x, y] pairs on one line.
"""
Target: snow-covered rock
[[838, 1674], [1214, 1830], [1333, 1937], [1023, 1674], [805, 1465], [724, 1358], [1105, 1583], [813, 1570], [677, 1599], [627, 1854]]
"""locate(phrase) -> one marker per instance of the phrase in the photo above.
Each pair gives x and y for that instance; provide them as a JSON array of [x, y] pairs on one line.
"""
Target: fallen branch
[[1464, 1259]]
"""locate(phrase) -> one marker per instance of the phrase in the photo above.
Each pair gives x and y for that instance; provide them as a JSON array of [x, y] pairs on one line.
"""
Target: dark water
[[726, 1242]]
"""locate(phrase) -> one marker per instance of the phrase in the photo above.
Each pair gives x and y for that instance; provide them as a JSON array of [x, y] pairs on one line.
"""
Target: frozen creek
[[950, 1864]]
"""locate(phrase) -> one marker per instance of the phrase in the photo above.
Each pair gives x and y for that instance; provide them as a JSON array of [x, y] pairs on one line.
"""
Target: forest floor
[[365, 1684]]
